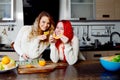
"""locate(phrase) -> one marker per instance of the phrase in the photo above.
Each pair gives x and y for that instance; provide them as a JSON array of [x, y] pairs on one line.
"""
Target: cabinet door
[[82, 9], [105, 9], [94, 55], [6, 9], [111, 53], [117, 9]]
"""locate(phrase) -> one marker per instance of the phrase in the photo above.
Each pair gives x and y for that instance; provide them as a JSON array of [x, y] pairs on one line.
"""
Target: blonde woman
[[31, 41]]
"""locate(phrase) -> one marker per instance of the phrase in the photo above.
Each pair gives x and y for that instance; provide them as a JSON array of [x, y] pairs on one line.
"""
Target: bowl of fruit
[[7, 63], [111, 63]]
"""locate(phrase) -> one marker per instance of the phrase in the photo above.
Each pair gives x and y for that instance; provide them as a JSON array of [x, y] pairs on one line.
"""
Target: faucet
[[112, 35]]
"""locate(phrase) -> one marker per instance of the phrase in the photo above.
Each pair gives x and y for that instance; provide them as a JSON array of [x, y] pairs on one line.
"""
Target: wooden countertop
[[82, 70]]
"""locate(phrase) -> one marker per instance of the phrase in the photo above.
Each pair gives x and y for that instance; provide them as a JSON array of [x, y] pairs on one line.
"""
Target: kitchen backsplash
[[87, 32]]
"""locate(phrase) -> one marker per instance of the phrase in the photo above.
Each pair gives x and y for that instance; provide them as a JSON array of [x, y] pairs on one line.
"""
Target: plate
[[1, 71]]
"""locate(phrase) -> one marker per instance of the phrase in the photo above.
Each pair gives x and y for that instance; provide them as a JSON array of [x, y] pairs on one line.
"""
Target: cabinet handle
[[97, 55], [117, 54], [105, 16]]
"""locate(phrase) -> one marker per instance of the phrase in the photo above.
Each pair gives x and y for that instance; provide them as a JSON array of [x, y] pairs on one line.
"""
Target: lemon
[[1, 66]]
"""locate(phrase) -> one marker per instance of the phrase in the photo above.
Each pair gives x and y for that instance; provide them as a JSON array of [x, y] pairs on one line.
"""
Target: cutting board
[[36, 68]]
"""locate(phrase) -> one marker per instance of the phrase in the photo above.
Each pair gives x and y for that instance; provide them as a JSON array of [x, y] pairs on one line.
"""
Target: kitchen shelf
[[101, 35]]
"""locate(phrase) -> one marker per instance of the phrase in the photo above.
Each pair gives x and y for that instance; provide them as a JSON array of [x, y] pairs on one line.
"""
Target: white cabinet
[[82, 9], [6, 9], [77, 9]]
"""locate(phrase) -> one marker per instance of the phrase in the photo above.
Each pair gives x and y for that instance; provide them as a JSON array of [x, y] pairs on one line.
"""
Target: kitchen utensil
[[87, 38], [83, 34]]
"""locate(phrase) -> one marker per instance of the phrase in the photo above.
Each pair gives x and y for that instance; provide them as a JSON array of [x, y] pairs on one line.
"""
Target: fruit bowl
[[108, 64], [1, 71]]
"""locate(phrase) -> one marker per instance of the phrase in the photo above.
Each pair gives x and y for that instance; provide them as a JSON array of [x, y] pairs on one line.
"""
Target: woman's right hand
[[52, 40], [42, 37], [25, 56]]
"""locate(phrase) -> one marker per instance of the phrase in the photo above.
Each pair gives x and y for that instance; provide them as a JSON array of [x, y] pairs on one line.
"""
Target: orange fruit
[[57, 36], [29, 66], [5, 60], [42, 62], [46, 33]]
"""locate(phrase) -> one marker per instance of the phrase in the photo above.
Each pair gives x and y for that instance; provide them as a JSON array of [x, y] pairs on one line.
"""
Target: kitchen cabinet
[[95, 55], [6, 9], [13, 55], [117, 9], [82, 9], [107, 10], [90, 9]]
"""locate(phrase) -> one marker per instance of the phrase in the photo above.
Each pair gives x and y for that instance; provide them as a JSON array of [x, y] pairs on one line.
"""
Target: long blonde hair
[[36, 30]]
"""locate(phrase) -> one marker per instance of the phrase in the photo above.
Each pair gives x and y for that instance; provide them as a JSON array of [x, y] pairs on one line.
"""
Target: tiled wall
[[96, 28]]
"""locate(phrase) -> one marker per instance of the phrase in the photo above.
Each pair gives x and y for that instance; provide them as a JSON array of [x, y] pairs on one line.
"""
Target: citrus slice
[[5, 60], [42, 62], [46, 33], [57, 36], [29, 66]]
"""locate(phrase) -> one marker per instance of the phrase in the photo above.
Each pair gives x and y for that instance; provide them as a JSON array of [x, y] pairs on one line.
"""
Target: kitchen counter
[[82, 48], [82, 70], [3, 49], [100, 48]]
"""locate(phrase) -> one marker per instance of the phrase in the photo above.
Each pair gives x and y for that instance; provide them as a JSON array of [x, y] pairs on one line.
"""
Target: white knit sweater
[[71, 51], [30, 47]]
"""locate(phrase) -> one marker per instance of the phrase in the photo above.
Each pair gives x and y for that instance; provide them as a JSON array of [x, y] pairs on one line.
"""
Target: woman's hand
[[42, 37], [52, 40], [25, 56]]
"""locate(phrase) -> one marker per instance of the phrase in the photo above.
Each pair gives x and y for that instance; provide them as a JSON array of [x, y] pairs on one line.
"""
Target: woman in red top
[[64, 44]]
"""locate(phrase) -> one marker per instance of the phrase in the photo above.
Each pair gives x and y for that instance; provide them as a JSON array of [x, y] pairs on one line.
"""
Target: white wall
[[64, 9]]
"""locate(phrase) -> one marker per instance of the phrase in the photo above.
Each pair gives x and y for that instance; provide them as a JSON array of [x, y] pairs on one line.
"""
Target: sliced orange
[[42, 62], [57, 36], [46, 33], [29, 66], [5, 60]]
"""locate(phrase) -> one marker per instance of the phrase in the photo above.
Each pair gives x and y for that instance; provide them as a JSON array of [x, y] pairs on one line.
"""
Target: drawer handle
[[105, 16], [117, 54], [97, 55]]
